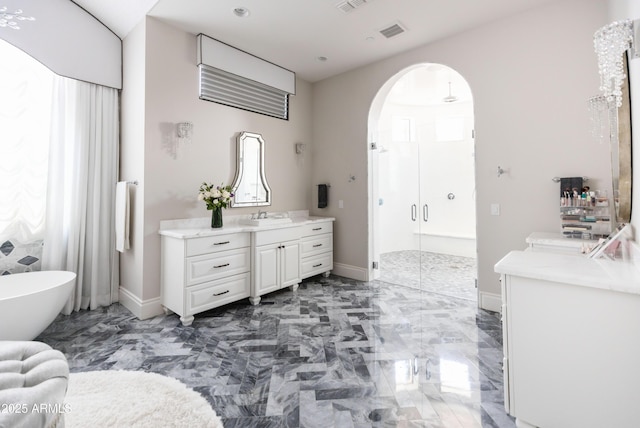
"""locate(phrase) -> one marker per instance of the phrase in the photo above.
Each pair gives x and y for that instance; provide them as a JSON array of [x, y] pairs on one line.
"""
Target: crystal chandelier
[[611, 42], [600, 110], [8, 19]]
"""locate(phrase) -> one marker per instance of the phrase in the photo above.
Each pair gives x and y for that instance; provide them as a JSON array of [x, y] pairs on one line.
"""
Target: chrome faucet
[[260, 214]]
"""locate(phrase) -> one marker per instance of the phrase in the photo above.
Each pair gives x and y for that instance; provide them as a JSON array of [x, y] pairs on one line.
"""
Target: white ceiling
[[294, 33]]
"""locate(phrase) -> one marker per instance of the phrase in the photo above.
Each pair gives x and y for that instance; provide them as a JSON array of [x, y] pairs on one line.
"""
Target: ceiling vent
[[350, 5], [392, 30]]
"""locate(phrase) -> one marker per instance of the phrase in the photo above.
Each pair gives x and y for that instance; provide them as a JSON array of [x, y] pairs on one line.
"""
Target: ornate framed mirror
[[250, 183], [614, 43], [621, 166]]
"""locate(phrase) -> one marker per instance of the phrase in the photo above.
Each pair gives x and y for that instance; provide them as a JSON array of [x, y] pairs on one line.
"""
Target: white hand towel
[[122, 216]]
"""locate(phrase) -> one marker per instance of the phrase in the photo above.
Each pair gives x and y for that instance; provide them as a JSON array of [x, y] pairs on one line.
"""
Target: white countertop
[[621, 276], [557, 239], [556, 242], [198, 227]]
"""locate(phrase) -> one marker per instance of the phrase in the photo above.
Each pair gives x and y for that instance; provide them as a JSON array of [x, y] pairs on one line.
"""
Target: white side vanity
[[203, 268], [571, 339]]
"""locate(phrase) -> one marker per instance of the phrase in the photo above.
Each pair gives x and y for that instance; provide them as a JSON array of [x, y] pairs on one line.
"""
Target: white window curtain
[[83, 167], [25, 86]]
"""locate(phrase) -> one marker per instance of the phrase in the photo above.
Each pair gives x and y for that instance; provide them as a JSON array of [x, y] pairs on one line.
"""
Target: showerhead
[[450, 98]]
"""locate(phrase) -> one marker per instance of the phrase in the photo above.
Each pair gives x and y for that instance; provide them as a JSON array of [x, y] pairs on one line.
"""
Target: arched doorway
[[422, 182]]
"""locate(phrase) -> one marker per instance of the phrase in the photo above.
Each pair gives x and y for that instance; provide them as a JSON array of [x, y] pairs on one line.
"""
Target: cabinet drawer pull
[[220, 294], [317, 228], [315, 266], [220, 243], [317, 245], [221, 266]]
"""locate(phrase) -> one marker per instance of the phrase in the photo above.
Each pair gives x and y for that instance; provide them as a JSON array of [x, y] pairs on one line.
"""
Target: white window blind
[[229, 89]]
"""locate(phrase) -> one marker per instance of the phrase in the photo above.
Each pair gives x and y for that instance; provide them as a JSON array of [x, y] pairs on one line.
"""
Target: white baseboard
[[348, 271], [489, 301], [141, 309]]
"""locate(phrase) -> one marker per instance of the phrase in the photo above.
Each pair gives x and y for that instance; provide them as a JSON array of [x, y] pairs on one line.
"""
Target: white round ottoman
[[33, 384]]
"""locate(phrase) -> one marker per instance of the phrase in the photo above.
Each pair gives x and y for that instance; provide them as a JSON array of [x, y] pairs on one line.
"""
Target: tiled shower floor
[[440, 273], [336, 353]]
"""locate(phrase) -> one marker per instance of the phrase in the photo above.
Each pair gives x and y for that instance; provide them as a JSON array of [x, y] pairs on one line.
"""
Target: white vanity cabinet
[[571, 339], [202, 273], [316, 249], [276, 261], [203, 268]]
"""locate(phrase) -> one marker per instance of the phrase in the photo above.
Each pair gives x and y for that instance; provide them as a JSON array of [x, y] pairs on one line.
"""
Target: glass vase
[[216, 217]]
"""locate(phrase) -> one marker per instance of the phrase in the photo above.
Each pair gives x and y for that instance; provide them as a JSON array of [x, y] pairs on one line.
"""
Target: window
[[25, 110], [403, 129]]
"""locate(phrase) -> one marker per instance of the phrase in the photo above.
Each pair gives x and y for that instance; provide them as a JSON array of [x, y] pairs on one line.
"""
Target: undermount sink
[[265, 221]]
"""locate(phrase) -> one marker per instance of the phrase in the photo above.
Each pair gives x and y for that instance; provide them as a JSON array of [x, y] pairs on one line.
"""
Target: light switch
[[495, 209], [340, 203]]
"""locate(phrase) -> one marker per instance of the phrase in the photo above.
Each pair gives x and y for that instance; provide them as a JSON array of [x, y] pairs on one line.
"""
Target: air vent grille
[[345, 7], [229, 89], [392, 31], [350, 5]]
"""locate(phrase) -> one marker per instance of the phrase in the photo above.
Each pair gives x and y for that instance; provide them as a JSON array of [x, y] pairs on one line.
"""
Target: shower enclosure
[[423, 182]]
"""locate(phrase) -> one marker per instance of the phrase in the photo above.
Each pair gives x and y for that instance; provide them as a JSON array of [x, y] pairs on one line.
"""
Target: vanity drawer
[[316, 244], [216, 293], [275, 236], [316, 264], [317, 228], [209, 244], [209, 267]]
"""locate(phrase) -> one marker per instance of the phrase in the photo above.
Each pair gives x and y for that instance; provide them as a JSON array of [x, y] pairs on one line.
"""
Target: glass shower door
[[400, 214]]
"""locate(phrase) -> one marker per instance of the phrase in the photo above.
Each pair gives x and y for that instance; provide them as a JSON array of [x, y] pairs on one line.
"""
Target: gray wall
[[531, 76], [161, 90]]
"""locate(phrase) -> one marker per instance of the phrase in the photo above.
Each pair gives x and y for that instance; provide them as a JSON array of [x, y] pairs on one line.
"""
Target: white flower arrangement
[[215, 196]]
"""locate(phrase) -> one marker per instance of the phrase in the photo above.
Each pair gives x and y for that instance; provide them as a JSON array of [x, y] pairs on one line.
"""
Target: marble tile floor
[[439, 273], [335, 353]]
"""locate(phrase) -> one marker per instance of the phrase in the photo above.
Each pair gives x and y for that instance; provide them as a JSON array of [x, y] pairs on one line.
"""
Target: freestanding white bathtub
[[30, 301]]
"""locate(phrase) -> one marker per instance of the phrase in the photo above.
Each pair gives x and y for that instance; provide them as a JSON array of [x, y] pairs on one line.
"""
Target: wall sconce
[[185, 129], [610, 43]]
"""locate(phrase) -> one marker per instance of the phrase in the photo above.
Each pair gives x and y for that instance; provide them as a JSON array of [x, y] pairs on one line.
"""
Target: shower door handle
[[414, 212], [425, 213]]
